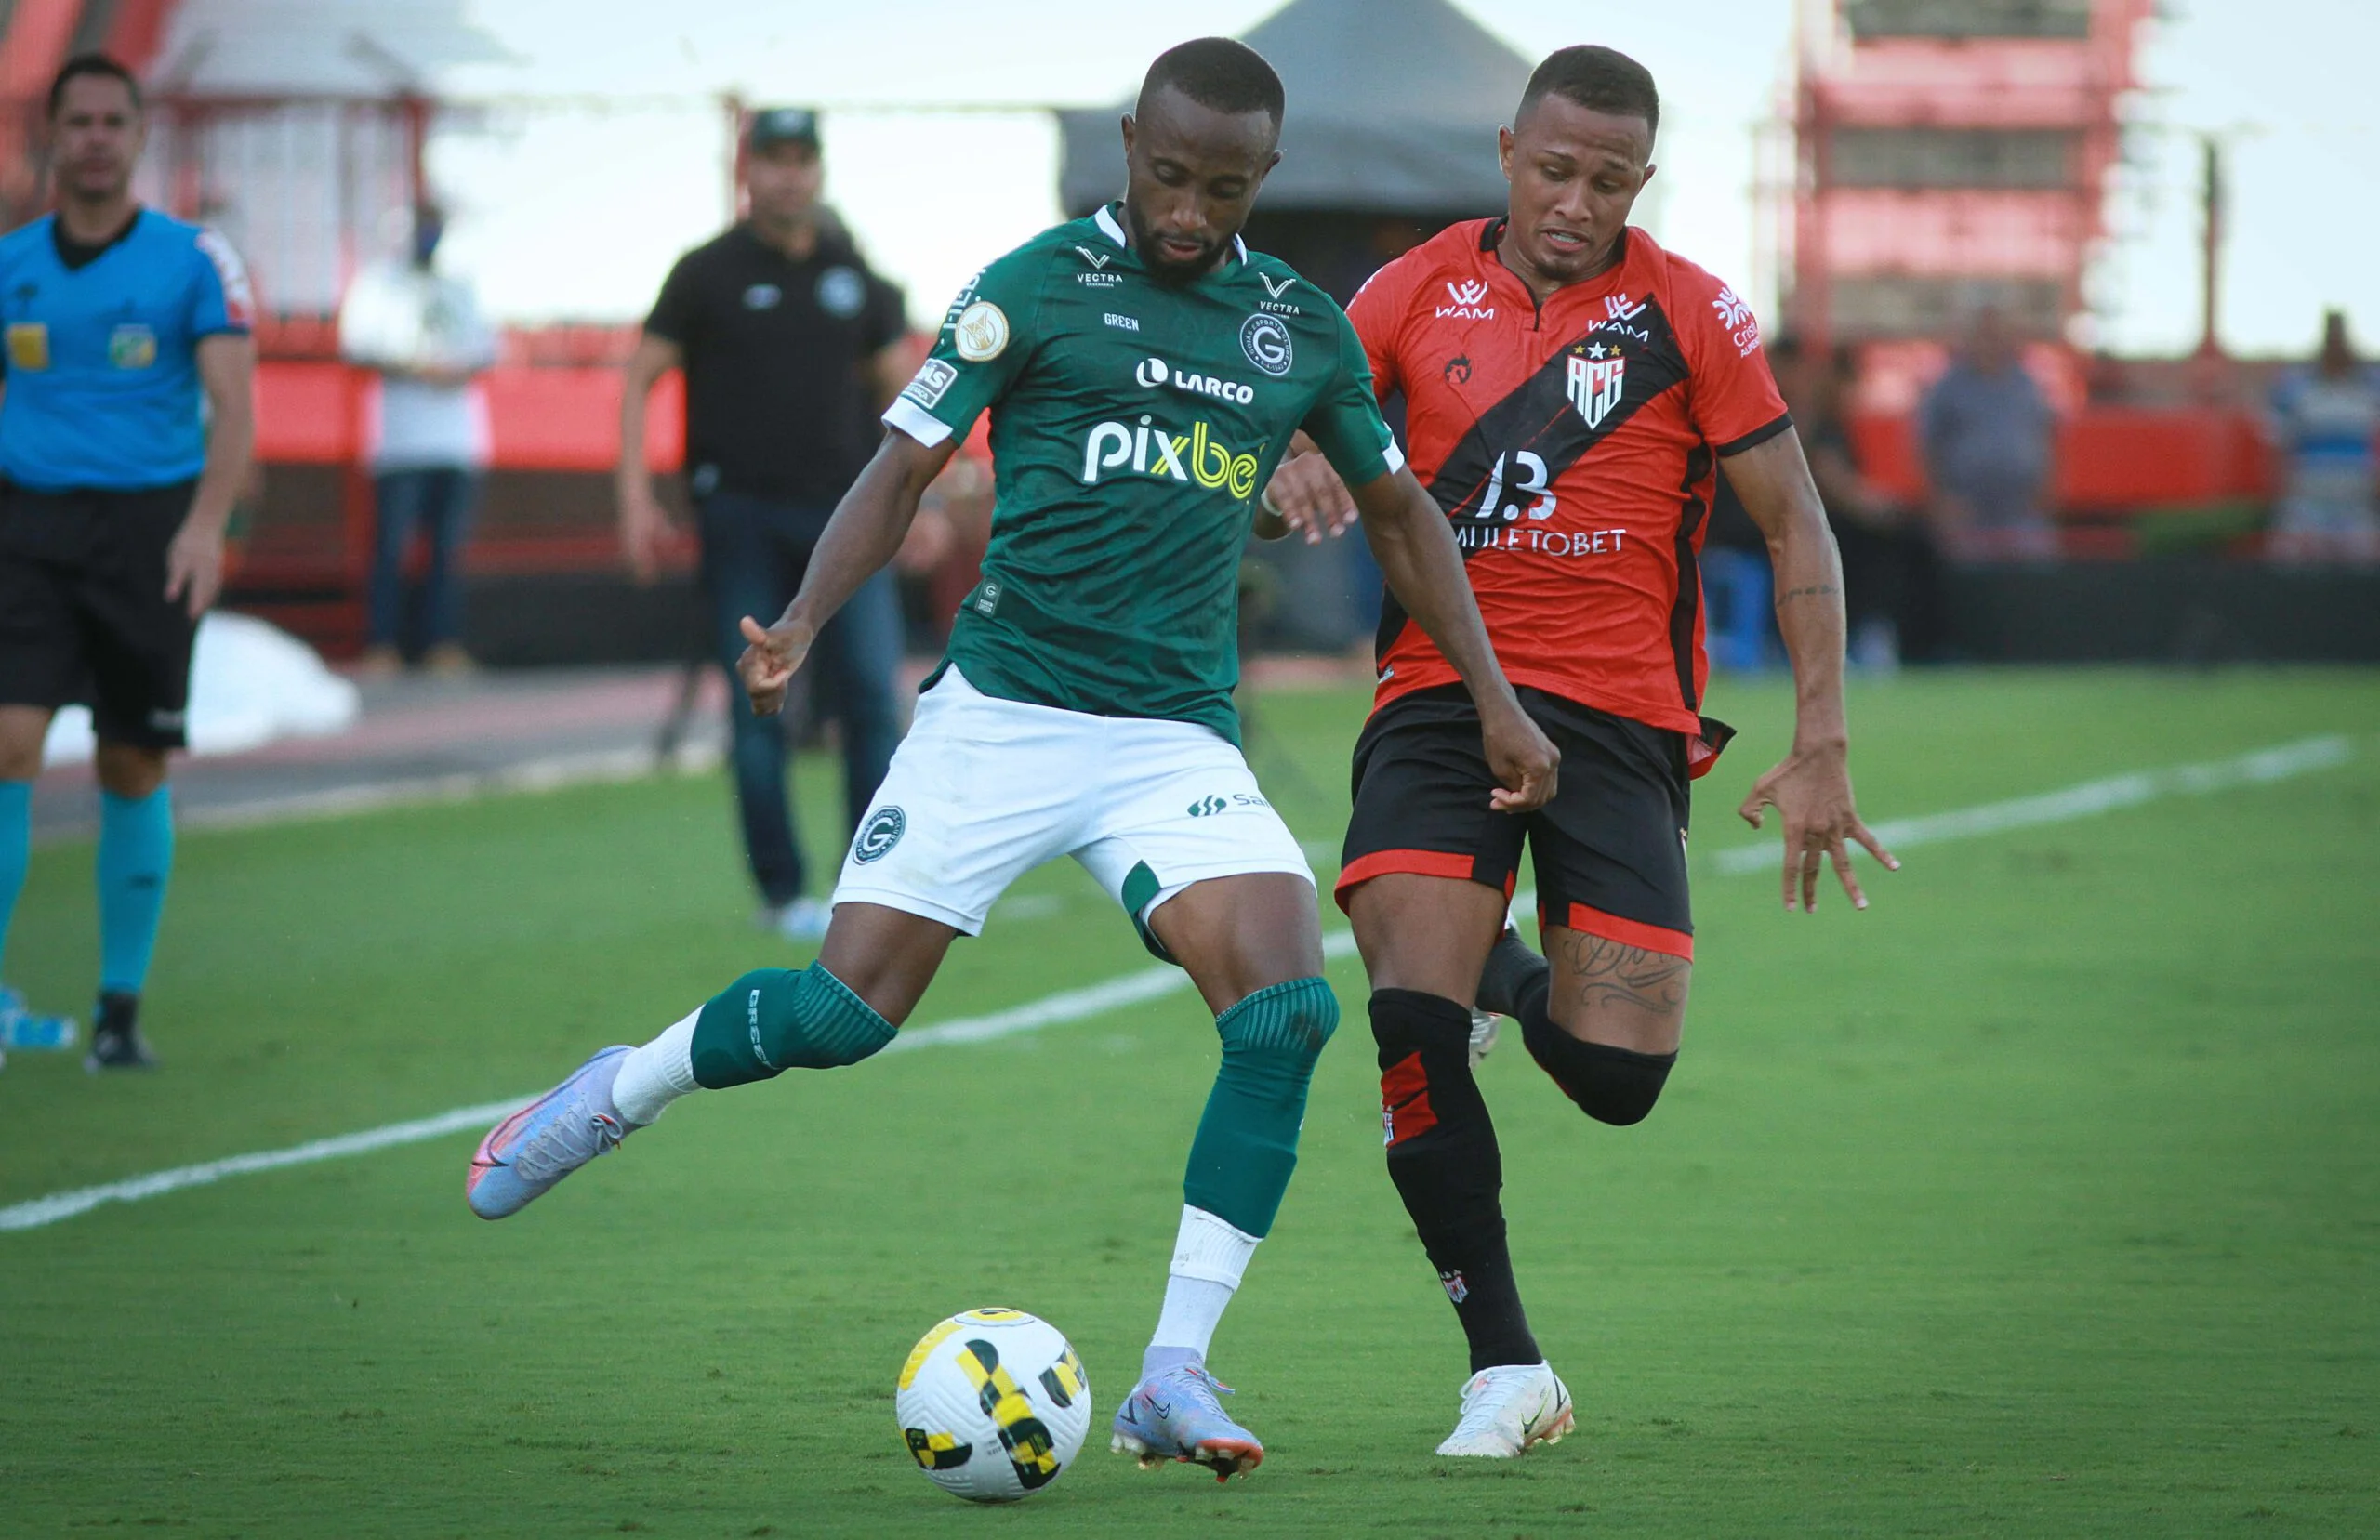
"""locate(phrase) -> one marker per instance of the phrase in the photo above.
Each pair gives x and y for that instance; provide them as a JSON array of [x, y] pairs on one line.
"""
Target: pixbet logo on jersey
[[1148, 449], [1154, 372]]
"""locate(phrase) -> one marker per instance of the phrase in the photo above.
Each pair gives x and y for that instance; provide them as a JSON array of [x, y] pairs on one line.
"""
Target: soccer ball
[[993, 1405]]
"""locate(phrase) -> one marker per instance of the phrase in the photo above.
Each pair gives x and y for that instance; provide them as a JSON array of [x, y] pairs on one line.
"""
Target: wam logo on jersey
[[1597, 378], [1466, 297], [1148, 449]]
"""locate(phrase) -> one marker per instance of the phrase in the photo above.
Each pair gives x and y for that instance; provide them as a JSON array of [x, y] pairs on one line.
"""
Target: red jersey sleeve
[[1379, 311], [1733, 396]]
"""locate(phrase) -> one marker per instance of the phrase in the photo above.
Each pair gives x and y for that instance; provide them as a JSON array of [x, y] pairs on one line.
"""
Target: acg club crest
[[1266, 342], [1596, 381], [879, 834]]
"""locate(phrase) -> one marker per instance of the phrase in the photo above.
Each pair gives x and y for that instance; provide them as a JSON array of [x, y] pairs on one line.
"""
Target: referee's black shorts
[[1609, 848], [84, 617]]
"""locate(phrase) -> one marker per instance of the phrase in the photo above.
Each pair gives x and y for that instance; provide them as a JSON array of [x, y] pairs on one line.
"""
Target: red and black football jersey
[[1574, 446]]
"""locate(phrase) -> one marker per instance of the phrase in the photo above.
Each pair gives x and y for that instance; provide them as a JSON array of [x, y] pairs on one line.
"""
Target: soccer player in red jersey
[[1570, 390]]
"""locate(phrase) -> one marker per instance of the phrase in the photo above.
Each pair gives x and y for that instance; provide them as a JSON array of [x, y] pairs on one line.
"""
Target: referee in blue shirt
[[115, 483]]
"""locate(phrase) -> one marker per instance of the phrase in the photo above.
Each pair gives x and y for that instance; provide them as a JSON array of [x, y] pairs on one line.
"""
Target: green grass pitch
[[2041, 1199]]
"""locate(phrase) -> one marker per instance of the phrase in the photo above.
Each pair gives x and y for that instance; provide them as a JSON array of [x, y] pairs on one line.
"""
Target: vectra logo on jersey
[[1597, 378], [1154, 372], [1148, 448]]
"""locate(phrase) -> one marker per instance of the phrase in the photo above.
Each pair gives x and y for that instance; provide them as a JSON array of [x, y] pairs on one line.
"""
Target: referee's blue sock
[[16, 848], [136, 857]]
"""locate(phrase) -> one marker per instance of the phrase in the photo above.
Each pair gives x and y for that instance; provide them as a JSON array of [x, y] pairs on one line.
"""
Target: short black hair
[[1219, 73], [1599, 79], [91, 64]]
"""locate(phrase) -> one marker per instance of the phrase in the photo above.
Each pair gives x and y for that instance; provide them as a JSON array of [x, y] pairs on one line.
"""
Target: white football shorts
[[982, 790]]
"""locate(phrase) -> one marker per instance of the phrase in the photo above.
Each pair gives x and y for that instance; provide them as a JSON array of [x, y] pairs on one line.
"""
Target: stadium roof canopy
[[1392, 105]]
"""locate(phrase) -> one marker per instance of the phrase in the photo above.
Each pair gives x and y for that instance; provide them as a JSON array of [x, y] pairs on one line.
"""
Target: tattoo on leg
[[1607, 971]]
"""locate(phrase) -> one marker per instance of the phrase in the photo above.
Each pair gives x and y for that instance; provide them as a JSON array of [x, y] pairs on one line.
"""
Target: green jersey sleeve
[[1346, 422], [987, 337]]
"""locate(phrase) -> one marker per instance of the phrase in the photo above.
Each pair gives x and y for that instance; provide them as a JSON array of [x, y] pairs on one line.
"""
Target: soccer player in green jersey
[[1145, 372]]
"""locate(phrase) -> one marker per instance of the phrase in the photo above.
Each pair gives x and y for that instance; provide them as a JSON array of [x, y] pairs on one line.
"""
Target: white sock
[[657, 1073], [1209, 1258]]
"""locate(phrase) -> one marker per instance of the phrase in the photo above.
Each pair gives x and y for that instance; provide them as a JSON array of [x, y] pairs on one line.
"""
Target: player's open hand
[[771, 655], [1308, 497], [1811, 791], [194, 567], [1525, 762]]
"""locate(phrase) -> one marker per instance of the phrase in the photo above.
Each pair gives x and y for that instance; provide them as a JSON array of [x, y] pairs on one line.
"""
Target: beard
[[1166, 269]]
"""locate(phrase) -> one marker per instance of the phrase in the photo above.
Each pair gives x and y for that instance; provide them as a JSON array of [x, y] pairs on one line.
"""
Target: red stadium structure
[[1955, 154], [303, 175]]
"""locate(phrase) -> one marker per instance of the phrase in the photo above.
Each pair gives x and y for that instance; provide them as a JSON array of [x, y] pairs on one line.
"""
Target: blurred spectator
[[2323, 420], [790, 347], [1890, 594], [1985, 432], [420, 330]]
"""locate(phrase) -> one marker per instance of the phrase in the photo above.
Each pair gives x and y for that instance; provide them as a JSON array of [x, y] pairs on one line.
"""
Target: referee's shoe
[[116, 1036]]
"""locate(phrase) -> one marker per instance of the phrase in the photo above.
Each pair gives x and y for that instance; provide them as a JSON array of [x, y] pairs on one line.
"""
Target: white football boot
[[1507, 1408], [1484, 1025]]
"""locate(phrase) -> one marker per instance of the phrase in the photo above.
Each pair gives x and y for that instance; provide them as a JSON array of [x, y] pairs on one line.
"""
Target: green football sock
[[1248, 1141], [776, 1019]]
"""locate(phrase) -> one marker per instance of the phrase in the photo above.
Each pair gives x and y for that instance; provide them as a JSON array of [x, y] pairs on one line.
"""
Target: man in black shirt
[[790, 347]]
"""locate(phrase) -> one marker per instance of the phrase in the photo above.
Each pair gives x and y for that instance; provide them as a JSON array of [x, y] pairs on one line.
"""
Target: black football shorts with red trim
[[1609, 849], [83, 616]]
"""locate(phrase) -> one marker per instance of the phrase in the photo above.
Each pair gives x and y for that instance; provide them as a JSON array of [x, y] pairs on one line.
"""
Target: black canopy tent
[[1389, 136]]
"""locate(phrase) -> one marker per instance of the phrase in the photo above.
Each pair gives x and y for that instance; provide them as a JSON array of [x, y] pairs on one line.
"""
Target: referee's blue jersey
[[103, 359]]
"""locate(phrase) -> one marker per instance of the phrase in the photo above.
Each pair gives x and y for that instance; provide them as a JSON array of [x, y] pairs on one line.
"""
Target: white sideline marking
[[65, 1205], [1072, 1005], [2277, 763]]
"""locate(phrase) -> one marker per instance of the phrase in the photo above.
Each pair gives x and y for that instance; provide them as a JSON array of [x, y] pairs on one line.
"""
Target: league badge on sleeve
[[981, 332]]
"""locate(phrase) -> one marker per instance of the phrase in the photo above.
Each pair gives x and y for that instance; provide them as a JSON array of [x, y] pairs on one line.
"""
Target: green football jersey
[[1134, 424]]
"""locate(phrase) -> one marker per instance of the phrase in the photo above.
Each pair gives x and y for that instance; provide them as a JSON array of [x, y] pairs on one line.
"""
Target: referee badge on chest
[[132, 346], [27, 345]]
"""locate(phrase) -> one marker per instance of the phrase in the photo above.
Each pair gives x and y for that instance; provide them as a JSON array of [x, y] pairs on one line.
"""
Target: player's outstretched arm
[[1415, 547], [1811, 787], [864, 533]]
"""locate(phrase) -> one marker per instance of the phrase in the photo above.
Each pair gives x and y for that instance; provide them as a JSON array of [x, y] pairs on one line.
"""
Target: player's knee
[[1425, 1082], [776, 1019], [1610, 1084], [1276, 1035]]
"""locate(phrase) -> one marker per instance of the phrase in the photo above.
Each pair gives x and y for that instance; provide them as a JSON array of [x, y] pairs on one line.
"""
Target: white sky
[[577, 210]]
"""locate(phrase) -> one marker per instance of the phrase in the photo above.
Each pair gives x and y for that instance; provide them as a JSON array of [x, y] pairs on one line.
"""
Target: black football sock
[[1611, 1085], [1443, 1157]]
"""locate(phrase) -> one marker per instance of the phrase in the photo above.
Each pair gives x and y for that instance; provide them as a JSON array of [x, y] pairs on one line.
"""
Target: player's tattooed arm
[[865, 533], [1811, 787]]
